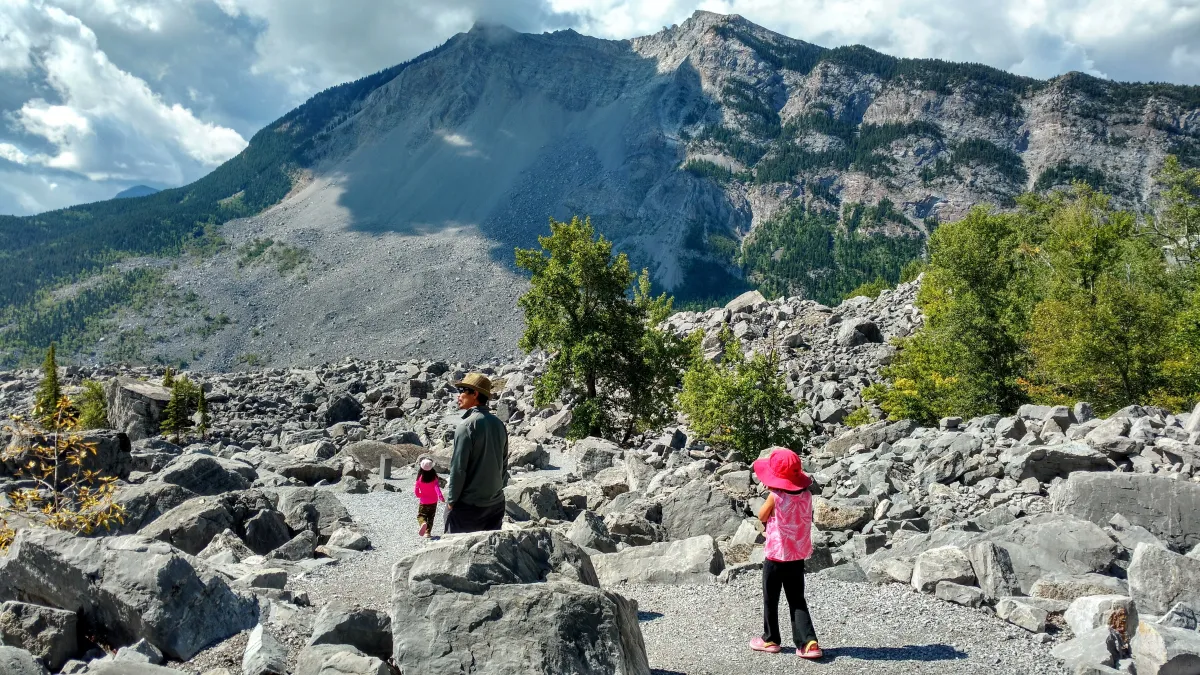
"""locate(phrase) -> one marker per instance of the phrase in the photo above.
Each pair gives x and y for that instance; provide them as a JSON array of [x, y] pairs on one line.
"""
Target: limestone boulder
[[699, 509], [48, 633], [593, 455], [529, 599], [135, 407], [127, 588], [207, 475], [1158, 579], [685, 562], [1169, 509]]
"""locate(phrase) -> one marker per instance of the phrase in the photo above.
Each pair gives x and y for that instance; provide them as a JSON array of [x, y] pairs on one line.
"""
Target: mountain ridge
[[676, 143]]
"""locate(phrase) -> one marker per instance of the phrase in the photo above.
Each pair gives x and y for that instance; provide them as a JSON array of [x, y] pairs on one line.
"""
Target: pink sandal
[[811, 651], [758, 645], [423, 530]]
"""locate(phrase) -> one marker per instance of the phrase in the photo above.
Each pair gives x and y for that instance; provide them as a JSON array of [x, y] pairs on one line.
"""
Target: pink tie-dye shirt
[[789, 528]]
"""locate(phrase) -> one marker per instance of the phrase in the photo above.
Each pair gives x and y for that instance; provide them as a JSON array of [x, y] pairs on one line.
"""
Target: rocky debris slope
[[1079, 532]]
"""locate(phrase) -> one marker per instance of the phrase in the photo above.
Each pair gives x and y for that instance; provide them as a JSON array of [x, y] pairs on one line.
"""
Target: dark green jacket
[[479, 469]]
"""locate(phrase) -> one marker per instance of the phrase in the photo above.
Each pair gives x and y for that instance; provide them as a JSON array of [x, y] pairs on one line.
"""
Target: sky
[[99, 95]]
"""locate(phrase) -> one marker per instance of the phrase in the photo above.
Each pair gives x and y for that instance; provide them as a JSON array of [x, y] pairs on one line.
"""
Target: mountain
[[379, 217], [136, 191]]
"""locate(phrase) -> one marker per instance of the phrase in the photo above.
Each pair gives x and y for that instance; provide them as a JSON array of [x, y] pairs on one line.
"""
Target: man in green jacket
[[479, 469]]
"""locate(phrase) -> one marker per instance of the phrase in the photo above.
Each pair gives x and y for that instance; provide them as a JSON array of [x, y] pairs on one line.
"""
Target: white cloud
[[107, 124], [160, 91]]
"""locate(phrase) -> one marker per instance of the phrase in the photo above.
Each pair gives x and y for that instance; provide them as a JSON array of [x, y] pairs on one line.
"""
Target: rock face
[[698, 509], [527, 599], [1170, 509], [49, 634], [127, 588], [15, 661], [689, 561], [1159, 578], [135, 407]]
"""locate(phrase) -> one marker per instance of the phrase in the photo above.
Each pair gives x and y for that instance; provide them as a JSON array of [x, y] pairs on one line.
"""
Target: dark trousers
[[788, 577], [426, 514], [470, 518]]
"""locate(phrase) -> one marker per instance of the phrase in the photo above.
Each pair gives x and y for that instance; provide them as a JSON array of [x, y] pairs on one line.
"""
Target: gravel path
[[703, 630]]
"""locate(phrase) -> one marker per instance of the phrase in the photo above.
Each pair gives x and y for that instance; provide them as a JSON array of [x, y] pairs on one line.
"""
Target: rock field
[[1050, 541]]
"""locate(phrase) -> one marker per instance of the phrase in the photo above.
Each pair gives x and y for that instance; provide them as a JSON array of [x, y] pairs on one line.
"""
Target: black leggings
[[789, 577]]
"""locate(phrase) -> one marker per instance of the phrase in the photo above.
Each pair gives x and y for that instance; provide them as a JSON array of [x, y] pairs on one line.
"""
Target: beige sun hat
[[477, 381]]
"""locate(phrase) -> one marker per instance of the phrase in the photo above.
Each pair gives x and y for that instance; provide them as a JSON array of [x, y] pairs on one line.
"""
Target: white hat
[[427, 464]]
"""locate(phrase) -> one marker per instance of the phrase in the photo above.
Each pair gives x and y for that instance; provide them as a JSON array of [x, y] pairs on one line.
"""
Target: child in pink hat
[[788, 516], [428, 492]]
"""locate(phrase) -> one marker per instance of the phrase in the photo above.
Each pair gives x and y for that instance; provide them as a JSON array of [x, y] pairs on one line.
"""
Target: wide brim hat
[[476, 381], [782, 470]]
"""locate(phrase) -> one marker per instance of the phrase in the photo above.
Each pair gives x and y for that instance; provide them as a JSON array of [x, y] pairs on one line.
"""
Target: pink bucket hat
[[426, 464], [781, 470]]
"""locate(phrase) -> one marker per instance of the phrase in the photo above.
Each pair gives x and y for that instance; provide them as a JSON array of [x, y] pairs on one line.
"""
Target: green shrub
[[93, 406], [740, 403], [858, 418]]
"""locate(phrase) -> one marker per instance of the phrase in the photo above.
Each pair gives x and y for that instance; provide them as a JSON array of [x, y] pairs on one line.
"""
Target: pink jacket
[[428, 493], [789, 528]]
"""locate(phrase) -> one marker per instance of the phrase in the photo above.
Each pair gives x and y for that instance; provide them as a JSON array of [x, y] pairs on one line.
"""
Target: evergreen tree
[[93, 406], [49, 392], [606, 351], [740, 403], [168, 380], [177, 417]]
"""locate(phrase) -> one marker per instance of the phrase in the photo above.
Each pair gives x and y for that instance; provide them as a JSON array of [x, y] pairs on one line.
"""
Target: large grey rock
[[533, 500], [527, 599], [746, 302], [1045, 462], [634, 529], [1069, 587], [1163, 650], [1098, 646], [589, 531], [368, 452], [339, 660], [854, 332], [344, 408], [111, 456], [1169, 509], [349, 539], [869, 435], [1019, 613], [522, 452], [145, 503], [48, 633], [190, 526], [593, 455], [207, 475], [1112, 438], [829, 514], [366, 629], [1182, 615], [686, 562], [317, 451], [697, 509], [993, 570], [1159, 578], [16, 661], [135, 407], [139, 652], [127, 588], [555, 426], [312, 509], [266, 531], [1047, 543], [264, 654], [301, 547], [967, 596], [1102, 611], [946, 563]]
